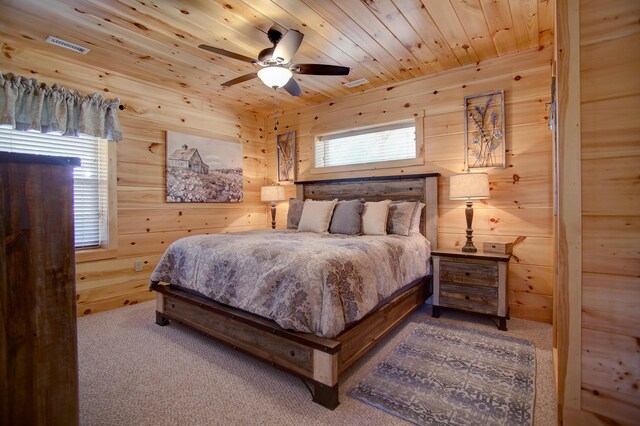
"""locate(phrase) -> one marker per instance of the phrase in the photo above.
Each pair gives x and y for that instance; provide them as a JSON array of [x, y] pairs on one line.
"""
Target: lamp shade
[[275, 76], [272, 193], [469, 186]]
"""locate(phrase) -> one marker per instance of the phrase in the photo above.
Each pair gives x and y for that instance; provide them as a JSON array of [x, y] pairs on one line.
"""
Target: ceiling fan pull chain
[[275, 108]]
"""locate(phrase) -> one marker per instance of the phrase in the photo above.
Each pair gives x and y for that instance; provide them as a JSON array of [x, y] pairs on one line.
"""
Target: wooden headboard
[[422, 187]]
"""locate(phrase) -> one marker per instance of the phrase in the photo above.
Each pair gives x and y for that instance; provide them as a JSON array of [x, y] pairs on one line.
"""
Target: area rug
[[444, 374]]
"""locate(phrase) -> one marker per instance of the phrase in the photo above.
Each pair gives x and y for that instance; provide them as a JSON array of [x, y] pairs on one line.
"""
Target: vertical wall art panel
[[484, 130], [286, 148], [203, 170]]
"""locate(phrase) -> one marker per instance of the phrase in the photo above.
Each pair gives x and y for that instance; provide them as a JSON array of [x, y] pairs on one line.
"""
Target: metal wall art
[[286, 148], [484, 143]]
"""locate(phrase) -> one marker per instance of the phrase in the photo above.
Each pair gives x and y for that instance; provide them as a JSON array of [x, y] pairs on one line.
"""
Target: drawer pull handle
[[467, 274]]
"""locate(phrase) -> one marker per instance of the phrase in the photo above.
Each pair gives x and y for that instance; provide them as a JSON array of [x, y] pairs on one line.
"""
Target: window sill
[[95, 254], [368, 166]]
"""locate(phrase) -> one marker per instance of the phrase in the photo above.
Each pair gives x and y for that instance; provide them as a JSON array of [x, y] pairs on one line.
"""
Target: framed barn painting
[[286, 149], [203, 170], [484, 142]]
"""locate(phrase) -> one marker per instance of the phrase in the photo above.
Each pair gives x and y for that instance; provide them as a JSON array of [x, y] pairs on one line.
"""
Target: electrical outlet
[[137, 265]]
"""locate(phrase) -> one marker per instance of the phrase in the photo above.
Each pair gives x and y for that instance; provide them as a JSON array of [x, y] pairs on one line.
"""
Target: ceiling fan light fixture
[[276, 62], [275, 76]]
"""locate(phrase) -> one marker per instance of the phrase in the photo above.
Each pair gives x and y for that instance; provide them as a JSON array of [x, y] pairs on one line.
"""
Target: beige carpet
[[133, 372]]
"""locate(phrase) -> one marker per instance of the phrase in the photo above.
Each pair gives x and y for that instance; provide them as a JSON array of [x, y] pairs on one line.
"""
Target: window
[[387, 143], [91, 180]]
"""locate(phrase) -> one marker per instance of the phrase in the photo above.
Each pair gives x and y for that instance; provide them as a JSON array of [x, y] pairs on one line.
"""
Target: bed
[[328, 341]]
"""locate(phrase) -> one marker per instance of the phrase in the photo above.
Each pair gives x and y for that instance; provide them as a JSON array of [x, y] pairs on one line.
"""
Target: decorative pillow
[[415, 221], [400, 215], [316, 216], [374, 217], [294, 214], [347, 218]]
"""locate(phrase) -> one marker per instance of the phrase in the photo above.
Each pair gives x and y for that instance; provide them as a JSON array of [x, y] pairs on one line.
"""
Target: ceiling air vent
[[67, 45], [355, 83]]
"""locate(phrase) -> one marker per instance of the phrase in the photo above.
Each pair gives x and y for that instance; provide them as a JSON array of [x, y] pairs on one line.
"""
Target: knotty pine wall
[[520, 209], [146, 223], [605, 387]]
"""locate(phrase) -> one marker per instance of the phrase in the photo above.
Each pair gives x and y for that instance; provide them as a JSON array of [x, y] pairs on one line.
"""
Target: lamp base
[[469, 247], [273, 215]]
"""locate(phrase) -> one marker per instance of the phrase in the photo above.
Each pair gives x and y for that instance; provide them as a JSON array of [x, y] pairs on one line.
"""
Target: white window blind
[[394, 142], [90, 180]]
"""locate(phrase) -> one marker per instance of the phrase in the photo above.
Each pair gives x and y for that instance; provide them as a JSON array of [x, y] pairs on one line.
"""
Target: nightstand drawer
[[470, 298], [483, 274], [475, 282]]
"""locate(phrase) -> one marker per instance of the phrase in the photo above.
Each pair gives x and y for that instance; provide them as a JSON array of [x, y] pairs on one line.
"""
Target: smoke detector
[[67, 45], [355, 83]]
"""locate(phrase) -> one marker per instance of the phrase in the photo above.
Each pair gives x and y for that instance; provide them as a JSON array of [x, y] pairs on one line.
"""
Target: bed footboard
[[309, 357], [316, 360]]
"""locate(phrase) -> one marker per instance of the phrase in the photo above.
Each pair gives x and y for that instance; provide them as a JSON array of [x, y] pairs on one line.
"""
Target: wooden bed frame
[[318, 361]]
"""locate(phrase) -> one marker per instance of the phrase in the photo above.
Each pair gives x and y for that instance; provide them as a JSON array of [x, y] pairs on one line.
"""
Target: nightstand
[[475, 282]]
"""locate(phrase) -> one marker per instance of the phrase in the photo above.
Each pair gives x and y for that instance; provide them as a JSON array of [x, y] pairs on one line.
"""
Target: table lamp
[[468, 187], [272, 193]]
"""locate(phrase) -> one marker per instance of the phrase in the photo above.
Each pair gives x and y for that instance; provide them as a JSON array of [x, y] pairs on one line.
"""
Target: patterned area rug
[[444, 374]]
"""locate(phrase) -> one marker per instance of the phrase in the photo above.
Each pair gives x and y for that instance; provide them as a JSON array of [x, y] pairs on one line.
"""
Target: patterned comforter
[[313, 283]]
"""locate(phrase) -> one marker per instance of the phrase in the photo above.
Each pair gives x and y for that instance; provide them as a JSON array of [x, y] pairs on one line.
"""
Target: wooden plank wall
[[610, 151], [520, 208], [567, 294], [146, 224]]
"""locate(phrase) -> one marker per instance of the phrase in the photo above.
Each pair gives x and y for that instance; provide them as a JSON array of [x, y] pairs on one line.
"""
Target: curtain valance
[[26, 104]]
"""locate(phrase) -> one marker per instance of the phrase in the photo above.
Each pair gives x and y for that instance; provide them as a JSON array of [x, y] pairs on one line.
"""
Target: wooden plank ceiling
[[384, 41]]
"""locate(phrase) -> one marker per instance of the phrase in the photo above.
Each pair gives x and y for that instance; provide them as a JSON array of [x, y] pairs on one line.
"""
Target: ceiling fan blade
[[320, 69], [227, 53], [292, 87], [288, 46], [240, 79]]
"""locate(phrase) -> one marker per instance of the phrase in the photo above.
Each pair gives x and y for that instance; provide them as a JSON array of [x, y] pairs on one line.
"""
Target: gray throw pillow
[[347, 218], [400, 215], [295, 213]]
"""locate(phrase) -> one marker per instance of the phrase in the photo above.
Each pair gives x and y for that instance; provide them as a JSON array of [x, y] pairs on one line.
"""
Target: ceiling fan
[[277, 70]]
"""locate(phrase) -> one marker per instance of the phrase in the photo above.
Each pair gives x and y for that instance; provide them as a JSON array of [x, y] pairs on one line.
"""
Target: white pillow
[[415, 221], [374, 217], [316, 216]]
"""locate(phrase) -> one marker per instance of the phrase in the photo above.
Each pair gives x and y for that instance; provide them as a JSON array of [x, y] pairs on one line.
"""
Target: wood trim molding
[[16, 157], [108, 250], [370, 178], [568, 302], [390, 164], [431, 209], [113, 196]]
